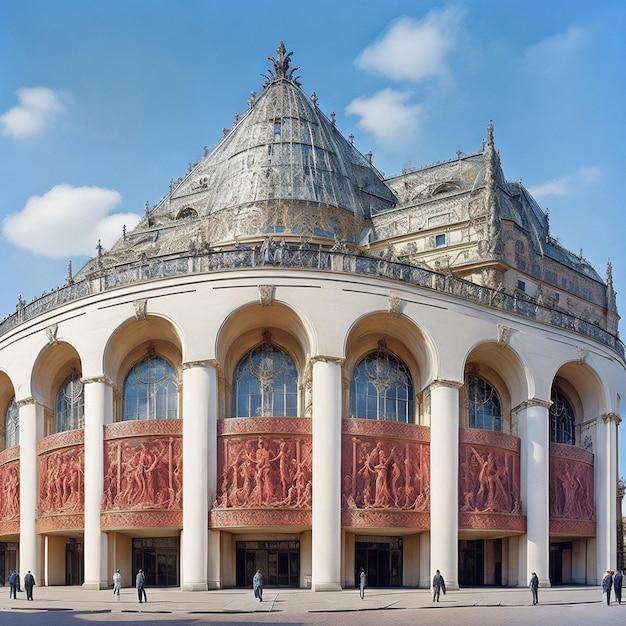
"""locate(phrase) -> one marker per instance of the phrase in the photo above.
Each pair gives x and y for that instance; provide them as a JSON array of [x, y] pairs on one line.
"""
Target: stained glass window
[[562, 419], [70, 406], [151, 391], [266, 384], [484, 406], [381, 388]]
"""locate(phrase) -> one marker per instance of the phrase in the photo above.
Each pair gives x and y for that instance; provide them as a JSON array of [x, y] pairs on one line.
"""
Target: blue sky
[[103, 103]]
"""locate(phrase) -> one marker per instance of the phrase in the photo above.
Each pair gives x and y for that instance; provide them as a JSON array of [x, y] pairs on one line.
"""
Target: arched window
[[562, 419], [266, 383], [483, 404], [381, 388], [70, 407], [12, 425], [151, 391]]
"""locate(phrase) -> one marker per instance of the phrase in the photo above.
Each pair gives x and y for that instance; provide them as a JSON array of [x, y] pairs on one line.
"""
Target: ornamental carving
[[10, 491], [264, 471], [489, 479], [62, 481], [143, 473], [571, 489], [381, 474]]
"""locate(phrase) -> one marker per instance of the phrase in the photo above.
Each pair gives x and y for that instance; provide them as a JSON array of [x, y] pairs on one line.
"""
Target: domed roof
[[284, 148]]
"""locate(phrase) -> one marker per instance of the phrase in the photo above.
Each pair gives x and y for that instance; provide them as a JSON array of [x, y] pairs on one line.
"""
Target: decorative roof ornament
[[281, 69], [611, 295]]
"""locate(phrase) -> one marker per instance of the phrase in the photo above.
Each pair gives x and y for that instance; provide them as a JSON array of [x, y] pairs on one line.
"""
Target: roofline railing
[[305, 257]]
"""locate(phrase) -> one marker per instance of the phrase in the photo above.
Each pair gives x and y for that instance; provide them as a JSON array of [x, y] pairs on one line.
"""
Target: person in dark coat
[[617, 585], [534, 587], [257, 585], [140, 583], [29, 583], [438, 585], [13, 584], [607, 584]]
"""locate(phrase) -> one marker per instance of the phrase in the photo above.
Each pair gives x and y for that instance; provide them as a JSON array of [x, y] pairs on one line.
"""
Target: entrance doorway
[[8, 560], [472, 563], [561, 563], [158, 558], [381, 560], [74, 563], [279, 562]]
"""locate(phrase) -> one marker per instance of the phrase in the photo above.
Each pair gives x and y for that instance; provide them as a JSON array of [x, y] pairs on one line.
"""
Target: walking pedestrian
[[257, 585], [140, 583], [362, 579], [13, 585], [438, 585], [29, 583], [534, 587], [617, 585], [117, 583], [607, 583]]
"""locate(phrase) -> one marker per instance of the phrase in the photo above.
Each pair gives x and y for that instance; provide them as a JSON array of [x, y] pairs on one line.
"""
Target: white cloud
[[37, 106], [557, 53], [387, 116], [413, 49], [68, 221], [568, 184]]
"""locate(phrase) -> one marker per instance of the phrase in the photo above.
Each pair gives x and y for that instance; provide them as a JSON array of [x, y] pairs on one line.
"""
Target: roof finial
[[281, 66], [490, 133]]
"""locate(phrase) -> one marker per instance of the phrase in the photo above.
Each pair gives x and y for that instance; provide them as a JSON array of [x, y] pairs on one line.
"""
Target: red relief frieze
[[489, 479], [143, 473], [571, 489], [580, 528], [385, 473], [143, 428], [9, 528], [242, 518], [10, 454], [62, 481], [10, 490], [381, 428], [492, 521], [371, 518], [269, 470], [116, 520], [252, 425], [489, 438], [52, 523], [65, 439]]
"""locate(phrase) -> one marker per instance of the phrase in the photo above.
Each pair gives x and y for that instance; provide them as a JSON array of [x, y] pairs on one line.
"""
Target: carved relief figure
[[382, 475], [10, 491], [61, 481], [265, 471], [144, 473], [487, 480], [571, 489]]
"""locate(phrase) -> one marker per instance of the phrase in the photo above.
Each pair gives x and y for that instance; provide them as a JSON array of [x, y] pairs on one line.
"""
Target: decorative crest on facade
[[266, 295], [141, 307], [51, 334]]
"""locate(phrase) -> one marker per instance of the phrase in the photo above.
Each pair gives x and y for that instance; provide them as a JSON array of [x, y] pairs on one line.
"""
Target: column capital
[[530, 403], [25, 402], [611, 417], [443, 382], [322, 358], [105, 380], [187, 365]]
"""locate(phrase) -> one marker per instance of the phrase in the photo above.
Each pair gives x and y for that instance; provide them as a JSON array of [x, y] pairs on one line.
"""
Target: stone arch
[[243, 330], [502, 368], [403, 339], [53, 366], [132, 341]]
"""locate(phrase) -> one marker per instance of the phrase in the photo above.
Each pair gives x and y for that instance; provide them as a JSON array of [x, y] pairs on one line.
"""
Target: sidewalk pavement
[[233, 601]]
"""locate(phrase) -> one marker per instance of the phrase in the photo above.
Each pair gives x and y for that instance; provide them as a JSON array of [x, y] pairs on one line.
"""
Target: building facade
[[295, 364]]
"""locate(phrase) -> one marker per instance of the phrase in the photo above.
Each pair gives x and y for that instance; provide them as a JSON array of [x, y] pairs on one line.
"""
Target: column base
[[194, 587], [90, 586], [326, 587]]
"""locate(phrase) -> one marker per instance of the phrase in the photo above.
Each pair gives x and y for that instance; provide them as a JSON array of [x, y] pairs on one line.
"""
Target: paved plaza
[[70, 605]]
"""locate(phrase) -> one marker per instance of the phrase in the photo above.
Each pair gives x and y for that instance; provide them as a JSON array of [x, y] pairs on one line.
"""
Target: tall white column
[[31, 430], [444, 481], [199, 470], [606, 493], [326, 524], [98, 412], [534, 430]]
